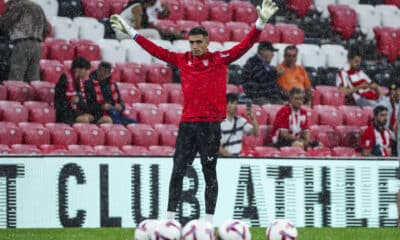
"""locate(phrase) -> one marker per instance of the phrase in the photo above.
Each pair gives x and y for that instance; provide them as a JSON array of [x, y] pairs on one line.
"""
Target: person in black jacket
[[259, 77], [69, 98]]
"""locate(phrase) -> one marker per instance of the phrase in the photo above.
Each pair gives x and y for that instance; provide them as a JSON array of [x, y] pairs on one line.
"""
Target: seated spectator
[[291, 123], [376, 139], [69, 97], [233, 126], [291, 75], [356, 85], [259, 77], [103, 97]]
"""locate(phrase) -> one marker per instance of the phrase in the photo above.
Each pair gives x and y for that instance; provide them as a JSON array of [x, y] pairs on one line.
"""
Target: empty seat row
[[321, 152]]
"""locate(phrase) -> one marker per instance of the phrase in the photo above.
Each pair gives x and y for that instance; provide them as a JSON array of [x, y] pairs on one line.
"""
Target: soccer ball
[[281, 229], [234, 230], [167, 230], [145, 229], [198, 230]]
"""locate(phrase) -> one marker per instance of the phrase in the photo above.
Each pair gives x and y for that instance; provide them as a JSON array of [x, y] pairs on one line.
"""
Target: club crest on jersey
[[205, 62]]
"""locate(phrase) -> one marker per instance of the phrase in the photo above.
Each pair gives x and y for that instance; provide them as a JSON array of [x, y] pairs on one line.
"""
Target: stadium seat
[[52, 150], [385, 9], [60, 49], [349, 135], [290, 34], [50, 7], [107, 150], [367, 19], [322, 7], [130, 112], [51, 71], [291, 152], [345, 152], [116, 6], [3, 93], [172, 112], [195, 10], [41, 114], [174, 91], [143, 135], [161, 150], [217, 31], [312, 115], [25, 149], [319, 152], [10, 133], [112, 51], [270, 34], [130, 150], [231, 88], [267, 151], [166, 24], [214, 46], [43, 91], [324, 134], [330, 95], [167, 134], [185, 26], [34, 133], [135, 53], [153, 93], [393, 2], [89, 28], [176, 10], [353, 116], [4, 149], [129, 93], [89, 134], [18, 91], [312, 55], [329, 115], [336, 55], [96, 8], [301, 7], [86, 49], [117, 135], [64, 28], [243, 11], [80, 150], [258, 112], [219, 11], [369, 112], [148, 113], [133, 72], [387, 42], [62, 134], [13, 112], [69, 8], [250, 142], [271, 110], [343, 20], [391, 17], [237, 30], [158, 73]]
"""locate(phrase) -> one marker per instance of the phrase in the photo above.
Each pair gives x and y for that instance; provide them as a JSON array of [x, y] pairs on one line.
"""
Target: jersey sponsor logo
[[205, 62], [224, 55]]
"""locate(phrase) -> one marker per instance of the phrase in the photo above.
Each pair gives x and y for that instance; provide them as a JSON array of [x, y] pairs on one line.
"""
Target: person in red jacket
[[203, 80]]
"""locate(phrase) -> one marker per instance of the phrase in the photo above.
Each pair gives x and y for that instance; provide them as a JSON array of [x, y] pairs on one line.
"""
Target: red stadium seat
[[319, 152], [312, 116], [172, 112], [219, 11], [175, 94], [41, 114], [43, 91], [52, 149], [301, 7], [130, 112], [260, 114], [96, 8], [329, 115], [129, 93], [116, 6], [34, 133], [161, 150], [290, 34], [349, 135], [143, 135], [325, 135], [291, 152], [216, 31], [316, 97], [18, 91], [343, 20], [4, 149], [230, 88], [267, 151], [148, 113], [3, 93], [116, 135], [167, 134], [176, 10], [244, 12], [270, 34], [25, 149], [369, 112], [393, 2], [250, 142], [130, 150], [330, 95], [80, 150], [30, 104], [62, 134], [10, 133], [271, 110], [89, 134], [387, 42], [237, 30], [353, 116], [107, 150], [345, 152], [13, 112], [158, 73], [195, 10], [166, 24], [60, 50], [86, 49], [153, 93], [186, 25], [51, 72], [133, 73]]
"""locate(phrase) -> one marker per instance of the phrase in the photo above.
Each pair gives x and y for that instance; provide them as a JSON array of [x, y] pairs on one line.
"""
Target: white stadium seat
[[112, 51], [348, 2], [64, 28], [50, 7], [368, 18], [322, 6], [135, 53], [180, 46], [390, 15], [215, 46], [312, 55], [336, 55], [89, 28]]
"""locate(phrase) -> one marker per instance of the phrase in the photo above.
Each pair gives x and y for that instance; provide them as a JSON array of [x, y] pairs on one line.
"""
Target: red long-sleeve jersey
[[203, 78]]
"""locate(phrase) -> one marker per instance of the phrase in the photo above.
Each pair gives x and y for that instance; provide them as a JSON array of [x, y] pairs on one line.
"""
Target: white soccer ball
[[281, 229], [167, 230], [198, 230], [234, 230], [145, 229]]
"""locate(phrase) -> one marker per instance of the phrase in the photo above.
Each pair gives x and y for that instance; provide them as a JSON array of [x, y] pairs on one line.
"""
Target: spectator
[[292, 75], [26, 25], [233, 126], [259, 77], [103, 97], [69, 97], [356, 85], [291, 123], [376, 139]]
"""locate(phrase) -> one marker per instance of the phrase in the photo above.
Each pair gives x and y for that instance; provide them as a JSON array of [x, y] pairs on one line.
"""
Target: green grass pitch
[[257, 234]]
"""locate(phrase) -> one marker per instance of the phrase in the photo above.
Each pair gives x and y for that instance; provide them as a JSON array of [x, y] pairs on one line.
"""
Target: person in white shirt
[[233, 128]]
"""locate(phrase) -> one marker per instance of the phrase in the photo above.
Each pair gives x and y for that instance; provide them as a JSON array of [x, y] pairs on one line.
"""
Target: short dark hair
[[198, 31], [232, 97], [291, 47], [354, 52], [105, 65], [80, 62], [378, 109], [295, 91]]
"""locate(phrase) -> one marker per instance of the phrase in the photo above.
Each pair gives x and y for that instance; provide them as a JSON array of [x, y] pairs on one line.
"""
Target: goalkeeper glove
[[266, 11], [118, 24]]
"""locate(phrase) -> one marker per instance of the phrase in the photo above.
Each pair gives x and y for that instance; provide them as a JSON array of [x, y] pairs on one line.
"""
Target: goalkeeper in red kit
[[203, 80]]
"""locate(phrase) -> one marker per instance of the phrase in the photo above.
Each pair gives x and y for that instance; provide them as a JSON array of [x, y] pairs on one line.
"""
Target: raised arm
[[117, 23]]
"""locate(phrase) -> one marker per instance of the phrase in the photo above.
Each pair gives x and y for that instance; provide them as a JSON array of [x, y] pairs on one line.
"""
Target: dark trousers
[[204, 138], [24, 60]]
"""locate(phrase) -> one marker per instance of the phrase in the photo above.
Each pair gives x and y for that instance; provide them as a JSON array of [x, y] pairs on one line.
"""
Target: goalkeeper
[[203, 80]]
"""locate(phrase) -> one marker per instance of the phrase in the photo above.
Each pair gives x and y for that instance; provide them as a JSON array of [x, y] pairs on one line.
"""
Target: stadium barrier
[[55, 192]]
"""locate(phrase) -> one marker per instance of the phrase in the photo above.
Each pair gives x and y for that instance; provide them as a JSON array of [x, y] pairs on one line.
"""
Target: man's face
[[231, 107], [198, 44], [290, 57], [381, 119], [296, 101], [81, 73], [395, 95], [103, 73], [266, 55], [355, 62]]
